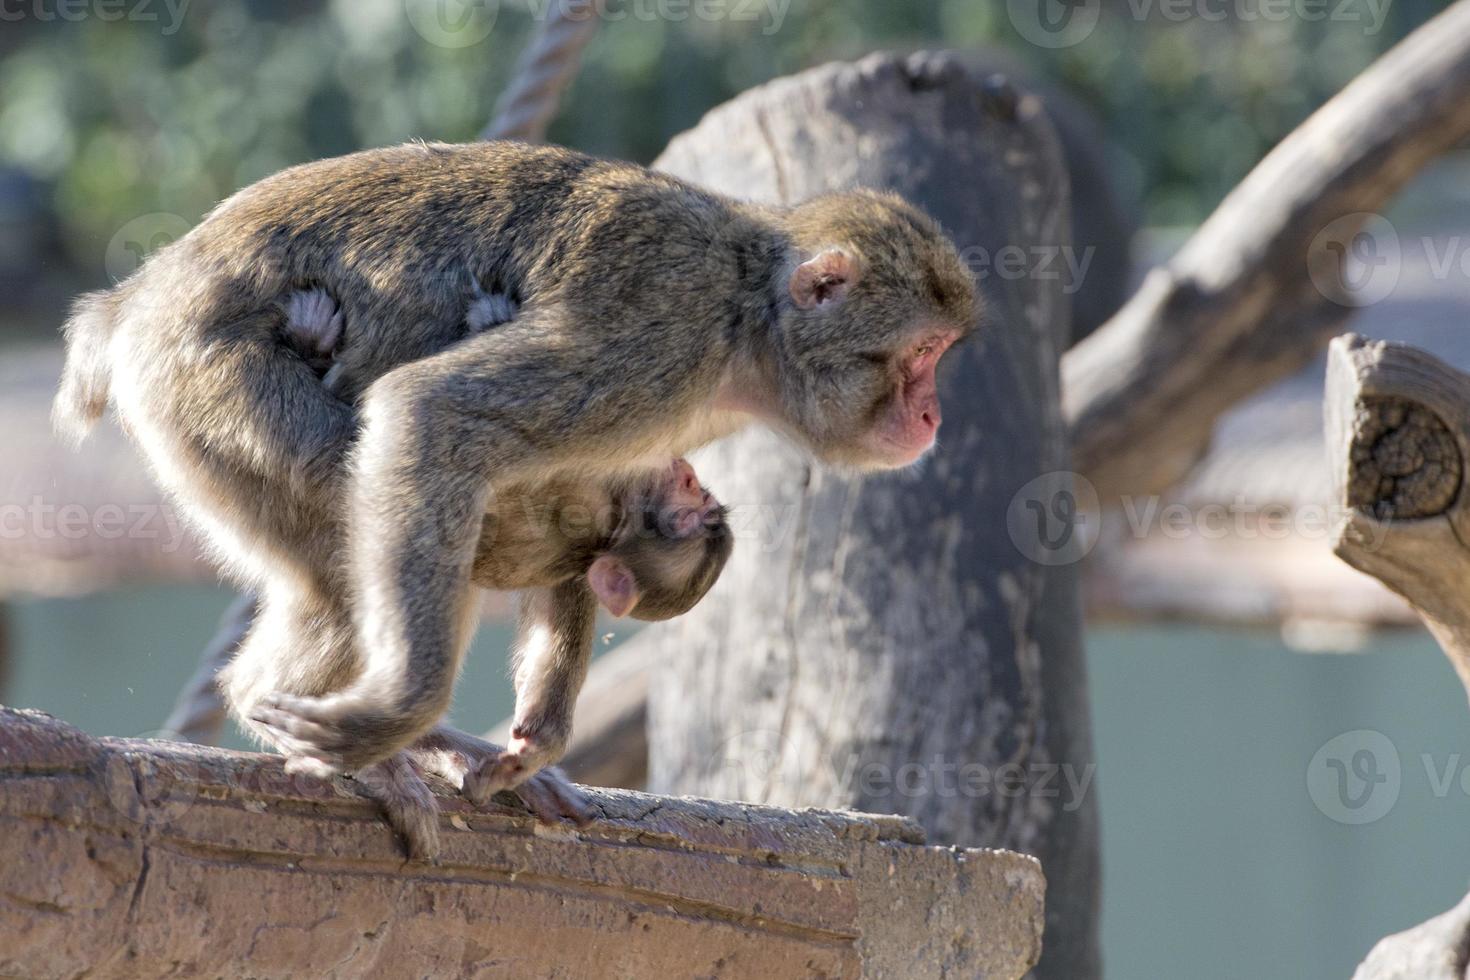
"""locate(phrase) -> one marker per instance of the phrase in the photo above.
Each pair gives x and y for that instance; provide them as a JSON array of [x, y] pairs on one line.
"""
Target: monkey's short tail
[[87, 377]]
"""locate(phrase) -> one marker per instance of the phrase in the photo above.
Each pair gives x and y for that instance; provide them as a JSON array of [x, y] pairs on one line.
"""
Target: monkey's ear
[[824, 278], [612, 582]]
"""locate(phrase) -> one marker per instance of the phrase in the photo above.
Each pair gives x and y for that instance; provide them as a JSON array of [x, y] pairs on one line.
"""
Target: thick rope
[[546, 68]]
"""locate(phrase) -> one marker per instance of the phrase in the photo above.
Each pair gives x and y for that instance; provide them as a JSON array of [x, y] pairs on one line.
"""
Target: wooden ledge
[[125, 857]]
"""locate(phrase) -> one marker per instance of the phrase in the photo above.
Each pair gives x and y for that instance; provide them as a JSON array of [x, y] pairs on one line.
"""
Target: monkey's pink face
[[908, 423], [689, 506]]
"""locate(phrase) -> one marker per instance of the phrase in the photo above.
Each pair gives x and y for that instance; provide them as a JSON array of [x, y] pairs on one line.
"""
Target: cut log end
[[1404, 462]]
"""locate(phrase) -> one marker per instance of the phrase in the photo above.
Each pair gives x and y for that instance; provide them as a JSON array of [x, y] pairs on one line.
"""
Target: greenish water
[[1218, 862], [112, 664]]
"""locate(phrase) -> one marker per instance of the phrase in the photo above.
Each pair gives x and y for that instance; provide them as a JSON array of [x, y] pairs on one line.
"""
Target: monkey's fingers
[[492, 775], [299, 763], [295, 728], [551, 796], [300, 741]]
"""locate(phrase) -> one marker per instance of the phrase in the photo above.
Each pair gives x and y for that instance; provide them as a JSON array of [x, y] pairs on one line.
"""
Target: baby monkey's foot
[[329, 735], [313, 318]]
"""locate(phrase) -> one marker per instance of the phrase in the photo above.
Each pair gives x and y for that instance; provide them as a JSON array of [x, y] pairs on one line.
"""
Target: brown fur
[[654, 317]]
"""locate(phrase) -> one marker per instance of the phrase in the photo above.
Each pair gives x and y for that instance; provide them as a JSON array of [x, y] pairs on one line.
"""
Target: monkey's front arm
[[505, 407]]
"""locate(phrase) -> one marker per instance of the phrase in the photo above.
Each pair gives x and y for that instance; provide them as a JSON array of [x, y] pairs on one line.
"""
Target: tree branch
[[1240, 306]]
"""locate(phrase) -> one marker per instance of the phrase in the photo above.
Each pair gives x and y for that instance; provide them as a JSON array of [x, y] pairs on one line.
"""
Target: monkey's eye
[[923, 350]]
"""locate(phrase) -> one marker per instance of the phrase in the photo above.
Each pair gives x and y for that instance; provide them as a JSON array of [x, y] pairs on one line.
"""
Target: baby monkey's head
[[669, 546]]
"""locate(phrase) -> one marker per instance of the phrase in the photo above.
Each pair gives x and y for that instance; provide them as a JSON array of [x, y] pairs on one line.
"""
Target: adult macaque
[[649, 546], [653, 317]]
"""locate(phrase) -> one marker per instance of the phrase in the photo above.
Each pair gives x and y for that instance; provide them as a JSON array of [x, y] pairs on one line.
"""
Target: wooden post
[[1398, 441]]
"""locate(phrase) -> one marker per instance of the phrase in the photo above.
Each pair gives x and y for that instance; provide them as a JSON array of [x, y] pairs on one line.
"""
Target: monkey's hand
[[330, 735], [473, 765], [527, 755]]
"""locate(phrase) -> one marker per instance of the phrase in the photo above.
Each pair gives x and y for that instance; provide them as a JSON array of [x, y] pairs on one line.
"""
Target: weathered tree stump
[[1398, 443], [128, 858], [884, 644]]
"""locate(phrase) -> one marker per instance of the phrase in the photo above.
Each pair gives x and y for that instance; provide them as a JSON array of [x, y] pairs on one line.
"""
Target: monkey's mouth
[[688, 521]]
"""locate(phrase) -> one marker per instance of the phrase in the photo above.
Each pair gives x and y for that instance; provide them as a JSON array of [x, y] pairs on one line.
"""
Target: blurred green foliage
[[113, 118]]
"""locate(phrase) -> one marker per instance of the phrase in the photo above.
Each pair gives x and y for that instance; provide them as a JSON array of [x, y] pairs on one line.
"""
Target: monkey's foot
[[330, 735], [407, 802]]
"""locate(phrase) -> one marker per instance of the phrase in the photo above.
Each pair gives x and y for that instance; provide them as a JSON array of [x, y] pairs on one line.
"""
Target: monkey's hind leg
[[408, 803]]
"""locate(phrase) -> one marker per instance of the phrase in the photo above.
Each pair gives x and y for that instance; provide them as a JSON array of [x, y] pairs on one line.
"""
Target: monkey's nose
[[685, 478]]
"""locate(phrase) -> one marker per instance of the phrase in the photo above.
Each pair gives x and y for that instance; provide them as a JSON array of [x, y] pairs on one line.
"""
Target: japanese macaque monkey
[[652, 317], [649, 546]]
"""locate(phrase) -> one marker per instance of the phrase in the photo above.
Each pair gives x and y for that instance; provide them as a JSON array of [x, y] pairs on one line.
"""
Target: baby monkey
[[649, 546]]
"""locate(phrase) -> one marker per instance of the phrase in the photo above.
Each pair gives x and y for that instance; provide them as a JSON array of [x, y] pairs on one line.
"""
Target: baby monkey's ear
[[614, 585], [823, 279]]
